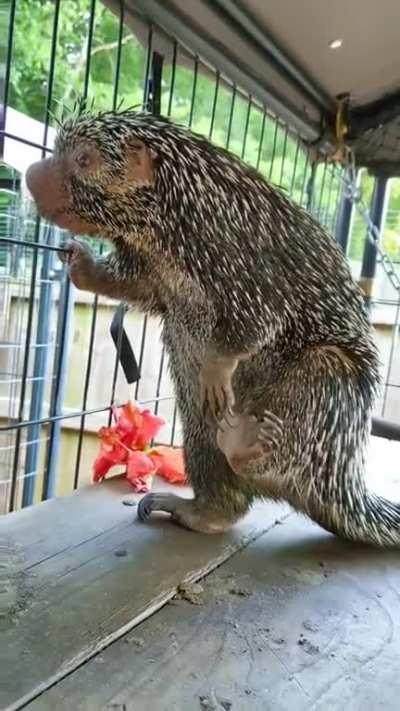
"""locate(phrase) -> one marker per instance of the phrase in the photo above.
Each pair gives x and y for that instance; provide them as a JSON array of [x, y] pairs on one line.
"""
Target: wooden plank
[[64, 521], [297, 621], [84, 571]]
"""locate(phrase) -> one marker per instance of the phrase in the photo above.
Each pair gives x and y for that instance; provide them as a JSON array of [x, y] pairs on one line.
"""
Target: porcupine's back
[[271, 270]]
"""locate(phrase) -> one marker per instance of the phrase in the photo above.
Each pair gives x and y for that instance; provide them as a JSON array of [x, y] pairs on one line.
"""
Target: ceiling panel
[[368, 63]]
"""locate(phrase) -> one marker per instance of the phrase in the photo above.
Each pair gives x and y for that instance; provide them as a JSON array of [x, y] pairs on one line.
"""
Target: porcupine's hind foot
[[248, 441], [187, 512]]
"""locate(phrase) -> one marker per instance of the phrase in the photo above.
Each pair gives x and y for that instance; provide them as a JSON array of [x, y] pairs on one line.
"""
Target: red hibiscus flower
[[127, 443]]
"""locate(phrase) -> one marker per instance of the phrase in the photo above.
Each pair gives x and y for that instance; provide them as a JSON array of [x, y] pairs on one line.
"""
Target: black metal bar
[[4, 99], [145, 318], [172, 84], [71, 415], [321, 192], [58, 388], [96, 299], [385, 428], [387, 301], [303, 184], [325, 213], [121, 333], [336, 203], [154, 90], [214, 106], [159, 379], [54, 418], [89, 49], [246, 127], [194, 88], [310, 187], [174, 416], [124, 353], [368, 266], [32, 245], [344, 219], [147, 72], [284, 148], [52, 67], [229, 131], [260, 145], [119, 52], [26, 141], [141, 353], [273, 150], [86, 389], [395, 334], [296, 158]]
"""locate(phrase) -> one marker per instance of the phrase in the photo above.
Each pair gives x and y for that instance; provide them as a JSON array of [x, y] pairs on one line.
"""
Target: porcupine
[[270, 347]]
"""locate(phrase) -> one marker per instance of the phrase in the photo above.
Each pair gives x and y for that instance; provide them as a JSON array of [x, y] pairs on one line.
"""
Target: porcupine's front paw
[[82, 265], [248, 441], [216, 393]]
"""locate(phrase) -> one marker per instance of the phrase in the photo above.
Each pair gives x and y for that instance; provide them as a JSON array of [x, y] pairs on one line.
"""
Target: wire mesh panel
[[385, 291], [59, 372]]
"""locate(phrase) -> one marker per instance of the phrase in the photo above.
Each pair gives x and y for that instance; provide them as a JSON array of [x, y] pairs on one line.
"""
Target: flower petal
[[170, 464], [142, 485], [150, 426], [128, 423], [139, 465], [128, 417], [109, 436], [101, 466]]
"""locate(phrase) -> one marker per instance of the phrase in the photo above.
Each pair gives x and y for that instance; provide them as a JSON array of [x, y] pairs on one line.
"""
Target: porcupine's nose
[[44, 185]]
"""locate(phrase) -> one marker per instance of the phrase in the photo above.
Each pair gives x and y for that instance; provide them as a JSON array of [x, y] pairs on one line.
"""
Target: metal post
[[310, 187], [344, 221], [38, 381], [65, 312], [7, 18], [378, 209]]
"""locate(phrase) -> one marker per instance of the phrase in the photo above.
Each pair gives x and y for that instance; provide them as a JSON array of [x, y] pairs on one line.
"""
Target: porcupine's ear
[[141, 159]]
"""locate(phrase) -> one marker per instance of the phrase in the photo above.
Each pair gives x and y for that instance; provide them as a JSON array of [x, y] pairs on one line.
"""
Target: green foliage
[[190, 100], [236, 124], [31, 60]]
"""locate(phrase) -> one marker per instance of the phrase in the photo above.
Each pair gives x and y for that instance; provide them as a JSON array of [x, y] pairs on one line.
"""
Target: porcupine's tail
[[336, 495], [362, 516], [366, 516]]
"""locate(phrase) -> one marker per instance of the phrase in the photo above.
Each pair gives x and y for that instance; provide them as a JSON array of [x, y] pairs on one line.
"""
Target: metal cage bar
[[233, 118]]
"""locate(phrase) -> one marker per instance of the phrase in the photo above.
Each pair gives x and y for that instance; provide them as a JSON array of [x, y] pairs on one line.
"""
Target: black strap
[[124, 349]]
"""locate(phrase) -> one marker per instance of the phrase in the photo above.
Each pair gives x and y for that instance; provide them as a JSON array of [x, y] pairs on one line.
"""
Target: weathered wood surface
[[298, 621], [77, 573]]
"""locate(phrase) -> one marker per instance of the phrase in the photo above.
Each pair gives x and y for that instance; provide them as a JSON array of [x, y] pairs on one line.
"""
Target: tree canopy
[[107, 78]]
